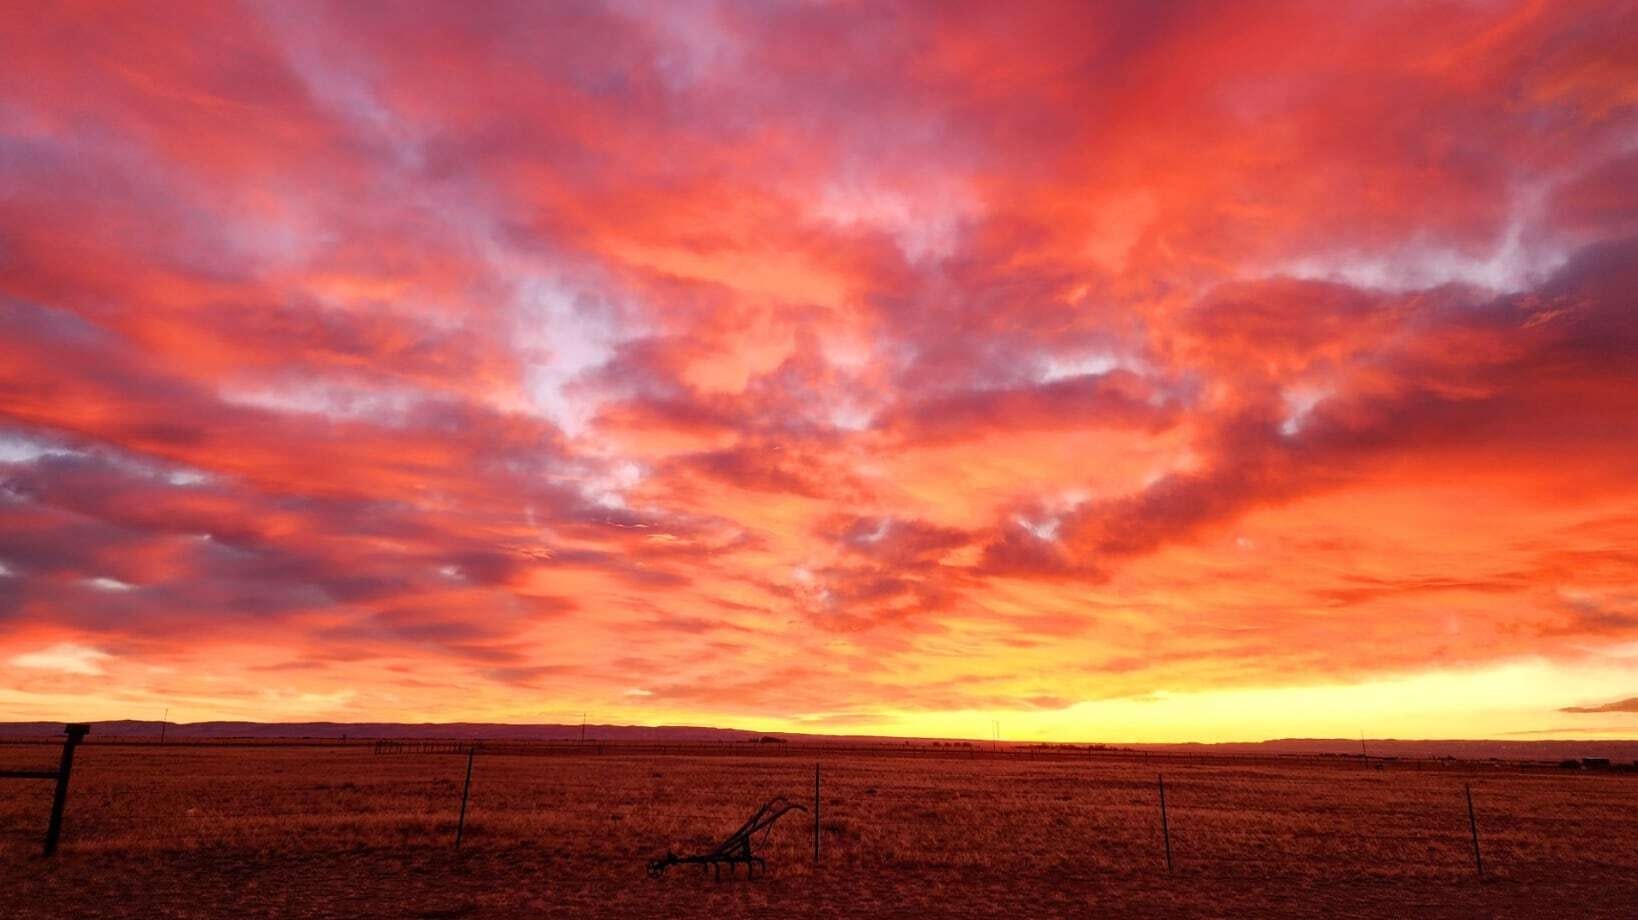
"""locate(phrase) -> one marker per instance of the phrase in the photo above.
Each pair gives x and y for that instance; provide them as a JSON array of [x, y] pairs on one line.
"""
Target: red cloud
[[494, 346]]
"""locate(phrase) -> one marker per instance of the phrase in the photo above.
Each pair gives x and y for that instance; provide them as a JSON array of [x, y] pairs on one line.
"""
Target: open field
[[291, 830]]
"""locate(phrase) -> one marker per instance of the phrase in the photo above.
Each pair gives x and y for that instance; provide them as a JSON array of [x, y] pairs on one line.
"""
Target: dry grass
[[203, 831]]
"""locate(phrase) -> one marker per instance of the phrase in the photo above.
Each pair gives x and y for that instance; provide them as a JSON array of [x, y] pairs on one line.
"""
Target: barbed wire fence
[[1222, 816]]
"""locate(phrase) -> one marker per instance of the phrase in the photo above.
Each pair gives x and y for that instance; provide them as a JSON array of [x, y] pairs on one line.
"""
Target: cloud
[[942, 354], [1626, 705], [66, 657]]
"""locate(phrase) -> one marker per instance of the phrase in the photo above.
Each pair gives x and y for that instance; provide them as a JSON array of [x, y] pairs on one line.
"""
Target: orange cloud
[[820, 365]]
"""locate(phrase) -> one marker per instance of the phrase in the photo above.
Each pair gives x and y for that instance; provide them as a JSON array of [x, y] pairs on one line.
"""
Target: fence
[[74, 732], [424, 747], [967, 750], [1104, 810]]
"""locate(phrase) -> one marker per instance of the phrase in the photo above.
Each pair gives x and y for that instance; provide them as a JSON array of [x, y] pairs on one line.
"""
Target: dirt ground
[[341, 832]]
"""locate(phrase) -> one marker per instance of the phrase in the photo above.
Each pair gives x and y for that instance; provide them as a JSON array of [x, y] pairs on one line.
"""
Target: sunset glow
[[1116, 372]]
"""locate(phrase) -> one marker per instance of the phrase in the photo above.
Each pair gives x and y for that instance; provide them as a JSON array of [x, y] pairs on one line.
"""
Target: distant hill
[[127, 728], [1345, 747], [1391, 747]]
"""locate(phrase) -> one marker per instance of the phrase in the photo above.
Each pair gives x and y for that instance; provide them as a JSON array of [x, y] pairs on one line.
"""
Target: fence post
[[460, 824], [1165, 829], [53, 830], [816, 812], [1473, 827]]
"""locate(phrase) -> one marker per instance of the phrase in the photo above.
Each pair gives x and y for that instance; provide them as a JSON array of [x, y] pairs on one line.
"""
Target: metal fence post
[[816, 812], [1165, 829], [1473, 827], [460, 824]]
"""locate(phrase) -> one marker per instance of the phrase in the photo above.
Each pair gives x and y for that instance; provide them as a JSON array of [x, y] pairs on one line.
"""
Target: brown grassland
[[338, 831]]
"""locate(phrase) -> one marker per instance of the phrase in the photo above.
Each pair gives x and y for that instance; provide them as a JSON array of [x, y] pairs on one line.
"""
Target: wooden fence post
[[1473, 828], [53, 830], [1165, 829], [460, 824]]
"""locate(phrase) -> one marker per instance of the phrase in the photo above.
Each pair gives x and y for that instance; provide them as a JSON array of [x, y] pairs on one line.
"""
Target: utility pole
[[582, 728], [164, 721]]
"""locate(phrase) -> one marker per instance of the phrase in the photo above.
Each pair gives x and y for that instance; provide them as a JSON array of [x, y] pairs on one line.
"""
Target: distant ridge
[[127, 729], [1545, 749]]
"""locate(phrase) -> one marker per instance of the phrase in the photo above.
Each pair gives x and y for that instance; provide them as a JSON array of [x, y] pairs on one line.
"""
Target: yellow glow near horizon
[[1504, 701]]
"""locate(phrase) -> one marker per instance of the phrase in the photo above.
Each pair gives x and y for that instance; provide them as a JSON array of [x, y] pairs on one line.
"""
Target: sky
[[1108, 371]]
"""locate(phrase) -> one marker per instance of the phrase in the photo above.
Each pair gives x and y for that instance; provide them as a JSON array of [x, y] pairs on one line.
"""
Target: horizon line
[[841, 736]]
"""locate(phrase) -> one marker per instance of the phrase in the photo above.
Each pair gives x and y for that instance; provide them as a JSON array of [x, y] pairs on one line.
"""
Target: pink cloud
[[503, 344]]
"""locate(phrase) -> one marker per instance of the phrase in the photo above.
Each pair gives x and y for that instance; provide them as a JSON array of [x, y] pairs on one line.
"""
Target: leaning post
[[75, 732], [1165, 829], [1473, 828], [466, 790]]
